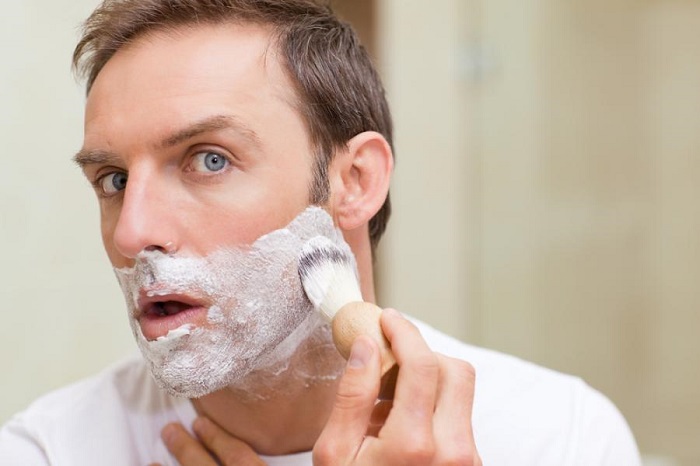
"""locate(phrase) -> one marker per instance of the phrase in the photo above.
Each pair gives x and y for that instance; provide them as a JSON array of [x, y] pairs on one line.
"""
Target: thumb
[[357, 393]]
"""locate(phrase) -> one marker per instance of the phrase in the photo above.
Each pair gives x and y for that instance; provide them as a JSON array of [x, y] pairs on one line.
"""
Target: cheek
[[241, 216], [242, 225], [116, 259]]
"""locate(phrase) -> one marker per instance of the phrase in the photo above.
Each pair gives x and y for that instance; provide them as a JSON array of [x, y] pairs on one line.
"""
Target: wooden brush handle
[[361, 318]]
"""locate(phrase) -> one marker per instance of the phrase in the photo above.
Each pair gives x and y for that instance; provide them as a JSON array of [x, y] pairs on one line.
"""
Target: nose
[[146, 220]]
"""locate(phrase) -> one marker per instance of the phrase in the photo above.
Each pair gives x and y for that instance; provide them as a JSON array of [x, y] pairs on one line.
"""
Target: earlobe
[[360, 178]]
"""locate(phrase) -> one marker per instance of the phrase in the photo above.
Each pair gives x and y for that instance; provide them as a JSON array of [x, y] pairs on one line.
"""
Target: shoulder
[[89, 395], [535, 415], [99, 414]]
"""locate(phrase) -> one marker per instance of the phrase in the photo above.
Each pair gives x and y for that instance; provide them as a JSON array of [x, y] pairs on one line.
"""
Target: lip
[[154, 324], [148, 297]]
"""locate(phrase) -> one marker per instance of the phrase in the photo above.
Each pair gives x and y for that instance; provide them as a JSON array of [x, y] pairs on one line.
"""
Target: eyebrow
[[214, 123], [87, 157]]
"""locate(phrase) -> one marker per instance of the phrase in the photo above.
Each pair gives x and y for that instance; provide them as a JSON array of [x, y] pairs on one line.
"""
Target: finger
[[453, 413], [416, 387], [185, 448], [226, 448], [344, 432]]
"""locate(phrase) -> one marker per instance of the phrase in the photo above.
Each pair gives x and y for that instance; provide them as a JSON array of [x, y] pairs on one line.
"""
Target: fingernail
[[360, 353], [168, 434]]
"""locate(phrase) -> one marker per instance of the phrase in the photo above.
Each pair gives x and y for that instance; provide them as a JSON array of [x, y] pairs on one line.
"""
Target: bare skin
[[157, 110], [429, 423]]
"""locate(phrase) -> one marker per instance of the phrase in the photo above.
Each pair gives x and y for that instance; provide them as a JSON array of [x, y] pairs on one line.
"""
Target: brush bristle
[[328, 276]]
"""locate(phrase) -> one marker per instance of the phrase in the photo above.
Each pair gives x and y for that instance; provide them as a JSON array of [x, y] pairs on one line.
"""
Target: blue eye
[[210, 161], [113, 183]]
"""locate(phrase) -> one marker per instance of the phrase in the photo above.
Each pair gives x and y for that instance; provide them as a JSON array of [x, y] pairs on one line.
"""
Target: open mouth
[[159, 314], [167, 308], [160, 304]]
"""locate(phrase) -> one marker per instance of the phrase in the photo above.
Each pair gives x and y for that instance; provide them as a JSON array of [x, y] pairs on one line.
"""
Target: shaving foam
[[169, 341], [259, 319]]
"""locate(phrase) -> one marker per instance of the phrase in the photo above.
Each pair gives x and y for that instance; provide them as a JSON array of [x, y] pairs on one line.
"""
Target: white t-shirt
[[523, 415]]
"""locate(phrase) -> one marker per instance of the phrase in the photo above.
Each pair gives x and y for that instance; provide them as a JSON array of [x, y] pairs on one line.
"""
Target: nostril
[[167, 248]]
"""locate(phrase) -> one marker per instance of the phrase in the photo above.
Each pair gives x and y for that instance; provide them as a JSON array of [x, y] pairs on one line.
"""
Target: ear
[[359, 179]]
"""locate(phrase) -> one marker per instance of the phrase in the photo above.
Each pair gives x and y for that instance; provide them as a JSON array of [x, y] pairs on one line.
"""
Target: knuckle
[[466, 369], [348, 400], [353, 393], [459, 365], [460, 458], [230, 457], [207, 438], [463, 372], [425, 365], [419, 450], [323, 453], [409, 325]]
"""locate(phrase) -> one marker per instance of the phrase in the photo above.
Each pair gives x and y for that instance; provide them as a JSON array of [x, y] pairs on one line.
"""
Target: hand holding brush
[[328, 276]]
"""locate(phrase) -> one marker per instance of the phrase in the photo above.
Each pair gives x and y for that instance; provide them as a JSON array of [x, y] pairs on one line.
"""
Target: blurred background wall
[[546, 196], [547, 190], [62, 312]]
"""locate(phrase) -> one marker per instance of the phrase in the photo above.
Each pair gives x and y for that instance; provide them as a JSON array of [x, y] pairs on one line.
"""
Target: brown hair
[[340, 93]]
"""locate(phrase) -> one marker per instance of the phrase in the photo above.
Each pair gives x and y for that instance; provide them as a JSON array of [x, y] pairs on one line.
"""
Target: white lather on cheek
[[215, 315], [258, 312]]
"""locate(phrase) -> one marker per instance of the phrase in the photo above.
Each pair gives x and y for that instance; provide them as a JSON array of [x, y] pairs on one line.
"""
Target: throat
[[281, 418], [286, 424]]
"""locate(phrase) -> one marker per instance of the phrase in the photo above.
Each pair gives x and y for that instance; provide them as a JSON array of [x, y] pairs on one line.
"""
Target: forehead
[[206, 69]]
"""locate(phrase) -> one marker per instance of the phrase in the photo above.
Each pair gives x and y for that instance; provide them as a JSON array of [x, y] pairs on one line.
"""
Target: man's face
[[193, 144]]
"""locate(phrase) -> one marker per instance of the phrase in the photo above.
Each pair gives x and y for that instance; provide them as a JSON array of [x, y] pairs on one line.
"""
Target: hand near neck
[[428, 423]]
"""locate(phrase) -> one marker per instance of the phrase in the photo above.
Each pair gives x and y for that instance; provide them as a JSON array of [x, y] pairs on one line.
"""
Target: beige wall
[[62, 315], [422, 263], [547, 191], [566, 178], [671, 40]]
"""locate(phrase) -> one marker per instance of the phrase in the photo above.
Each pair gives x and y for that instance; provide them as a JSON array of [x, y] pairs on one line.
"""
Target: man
[[211, 127]]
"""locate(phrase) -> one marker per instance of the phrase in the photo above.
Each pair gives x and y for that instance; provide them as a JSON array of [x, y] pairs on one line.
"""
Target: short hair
[[339, 91]]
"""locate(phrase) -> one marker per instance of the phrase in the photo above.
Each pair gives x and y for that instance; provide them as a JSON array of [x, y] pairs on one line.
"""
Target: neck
[[283, 412]]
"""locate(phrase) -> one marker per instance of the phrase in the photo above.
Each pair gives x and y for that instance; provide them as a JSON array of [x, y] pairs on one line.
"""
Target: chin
[[206, 360]]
